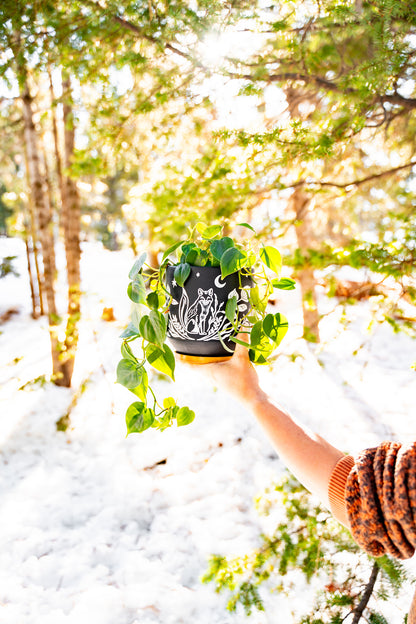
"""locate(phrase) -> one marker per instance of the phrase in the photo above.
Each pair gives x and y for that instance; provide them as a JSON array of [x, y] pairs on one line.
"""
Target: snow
[[99, 528]]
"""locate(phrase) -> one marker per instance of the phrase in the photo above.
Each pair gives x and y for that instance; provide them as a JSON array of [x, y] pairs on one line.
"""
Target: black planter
[[197, 312]]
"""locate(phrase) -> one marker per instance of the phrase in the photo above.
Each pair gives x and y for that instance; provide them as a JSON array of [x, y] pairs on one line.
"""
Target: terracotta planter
[[197, 312]]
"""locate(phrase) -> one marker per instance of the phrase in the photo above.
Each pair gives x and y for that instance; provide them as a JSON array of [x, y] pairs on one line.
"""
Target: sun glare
[[214, 48], [217, 46]]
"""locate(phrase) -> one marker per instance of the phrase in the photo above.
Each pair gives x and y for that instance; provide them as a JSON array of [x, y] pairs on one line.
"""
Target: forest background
[[132, 122], [128, 122]]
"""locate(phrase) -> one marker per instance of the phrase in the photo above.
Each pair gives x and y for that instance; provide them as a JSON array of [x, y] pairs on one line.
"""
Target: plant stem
[[155, 403]]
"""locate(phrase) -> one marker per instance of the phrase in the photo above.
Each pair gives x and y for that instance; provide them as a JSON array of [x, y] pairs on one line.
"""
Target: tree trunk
[[49, 200], [132, 239], [305, 276], [42, 216], [39, 273], [152, 251], [44, 226], [31, 230], [71, 222], [58, 160], [33, 293]]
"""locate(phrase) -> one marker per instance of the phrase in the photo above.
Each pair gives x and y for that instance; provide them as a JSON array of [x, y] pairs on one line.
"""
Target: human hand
[[237, 375]]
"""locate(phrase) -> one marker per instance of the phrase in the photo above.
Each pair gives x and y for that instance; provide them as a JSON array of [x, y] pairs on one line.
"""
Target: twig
[[358, 612]]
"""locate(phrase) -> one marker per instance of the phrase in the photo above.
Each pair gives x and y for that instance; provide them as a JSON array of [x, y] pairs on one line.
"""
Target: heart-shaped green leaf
[[153, 301], [127, 353], [285, 283], [136, 316], [218, 247], [208, 231], [135, 269], [271, 258], [275, 327], [201, 258], [161, 358], [230, 308], [129, 374], [153, 327], [138, 417], [232, 260], [181, 273], [256, 334], [170, 250], [131, 331], [262, 350], [184, 416], [136, 290], [141, 390], [192, 256], [247, 225], [186, 250], [169, 402]]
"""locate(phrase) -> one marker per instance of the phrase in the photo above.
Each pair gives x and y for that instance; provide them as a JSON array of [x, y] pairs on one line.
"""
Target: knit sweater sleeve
[[379, 491], [381, 500]]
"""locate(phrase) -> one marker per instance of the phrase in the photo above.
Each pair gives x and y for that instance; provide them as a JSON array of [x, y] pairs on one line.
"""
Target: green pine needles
[[307, 539]]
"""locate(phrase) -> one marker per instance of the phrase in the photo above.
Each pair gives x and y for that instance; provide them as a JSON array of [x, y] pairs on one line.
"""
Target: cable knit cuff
[[337, 483]]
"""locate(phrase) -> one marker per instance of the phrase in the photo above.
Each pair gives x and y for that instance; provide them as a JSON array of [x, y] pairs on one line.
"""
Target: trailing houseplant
[[207, 289]]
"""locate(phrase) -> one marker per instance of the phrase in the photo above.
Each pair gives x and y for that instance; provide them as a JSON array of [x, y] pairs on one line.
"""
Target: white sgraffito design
[[243, 303], [218, 283], [203, 319]]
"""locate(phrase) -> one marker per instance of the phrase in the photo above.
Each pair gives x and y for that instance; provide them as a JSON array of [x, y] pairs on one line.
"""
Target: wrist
[[255, 398]]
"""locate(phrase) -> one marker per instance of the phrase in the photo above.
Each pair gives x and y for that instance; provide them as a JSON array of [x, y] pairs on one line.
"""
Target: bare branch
[[358, 612]]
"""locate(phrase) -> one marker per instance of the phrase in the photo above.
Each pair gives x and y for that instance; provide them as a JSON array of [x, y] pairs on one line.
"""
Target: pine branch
[[400, 100], [137, 30], [346, 185], [328, 85], [297, 76], [359, 181], [358, 612]]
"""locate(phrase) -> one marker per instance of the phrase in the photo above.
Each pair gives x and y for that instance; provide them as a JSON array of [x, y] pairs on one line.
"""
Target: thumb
[[240, 350]]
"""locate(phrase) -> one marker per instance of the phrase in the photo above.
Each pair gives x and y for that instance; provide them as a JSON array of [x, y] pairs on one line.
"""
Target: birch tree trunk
[[42, 218], [306, 277], [44, 227], [40, 204]]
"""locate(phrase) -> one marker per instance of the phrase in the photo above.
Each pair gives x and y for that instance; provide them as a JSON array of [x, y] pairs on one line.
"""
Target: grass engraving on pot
[[197, 303]]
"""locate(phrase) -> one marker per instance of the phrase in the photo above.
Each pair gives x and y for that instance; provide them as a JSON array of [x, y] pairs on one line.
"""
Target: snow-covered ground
[[97, 528]]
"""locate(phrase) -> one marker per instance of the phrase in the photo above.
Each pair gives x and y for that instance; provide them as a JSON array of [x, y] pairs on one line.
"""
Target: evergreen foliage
[[309, 541], [329, 93]]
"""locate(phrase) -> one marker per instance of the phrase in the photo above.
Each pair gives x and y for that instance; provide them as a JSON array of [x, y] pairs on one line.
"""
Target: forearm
[[310, 457]]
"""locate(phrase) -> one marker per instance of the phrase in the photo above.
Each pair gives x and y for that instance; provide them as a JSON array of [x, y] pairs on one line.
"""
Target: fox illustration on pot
[[202, 312], [203, 317]]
